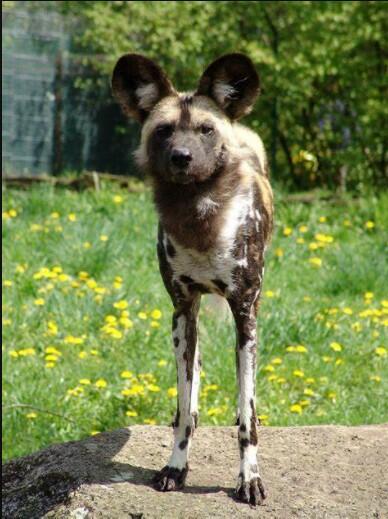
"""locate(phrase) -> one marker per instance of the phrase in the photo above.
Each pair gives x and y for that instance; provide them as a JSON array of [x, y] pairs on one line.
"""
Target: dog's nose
[[181, 157]]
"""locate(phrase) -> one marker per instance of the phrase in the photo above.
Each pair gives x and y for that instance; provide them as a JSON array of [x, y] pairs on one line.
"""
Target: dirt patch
[[309, 472]]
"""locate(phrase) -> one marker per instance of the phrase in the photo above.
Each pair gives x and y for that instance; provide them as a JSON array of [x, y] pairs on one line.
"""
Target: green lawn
[[86, 319]]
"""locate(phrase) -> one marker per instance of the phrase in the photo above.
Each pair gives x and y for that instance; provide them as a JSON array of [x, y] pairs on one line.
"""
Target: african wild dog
[[214, 200]]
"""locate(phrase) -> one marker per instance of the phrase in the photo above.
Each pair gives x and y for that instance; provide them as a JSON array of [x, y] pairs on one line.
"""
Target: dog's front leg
[[249, 487], [184, 333]]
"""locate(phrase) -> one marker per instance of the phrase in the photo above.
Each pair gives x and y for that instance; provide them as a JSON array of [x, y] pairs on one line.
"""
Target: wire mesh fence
[[49, 124]]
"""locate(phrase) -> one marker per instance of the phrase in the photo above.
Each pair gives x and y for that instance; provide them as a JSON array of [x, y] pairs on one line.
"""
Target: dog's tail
[[218, 307]]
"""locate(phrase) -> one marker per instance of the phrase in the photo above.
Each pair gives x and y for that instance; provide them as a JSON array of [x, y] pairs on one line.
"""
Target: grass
[[86, 319]]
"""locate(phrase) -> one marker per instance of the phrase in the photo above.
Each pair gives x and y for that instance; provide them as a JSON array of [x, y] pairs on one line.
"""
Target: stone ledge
[[309, 472]]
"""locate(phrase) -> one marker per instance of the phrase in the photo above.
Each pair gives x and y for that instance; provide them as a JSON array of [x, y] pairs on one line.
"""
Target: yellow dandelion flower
[[39, 302], [136, 389], [115, 334], [290, 349], [101, 383], [27, 352], [315, 262], [70, 339], [154, 324], [347, 311], [272, 378], [94, 433], [117, 199], [214, 411], [300, 241], [287, 231], [304, 403], [335, 346], [281, 380], [309, 392], [50, 365], [269, 368], [381, 351], [85, 381], [82, 355], [369, 225], [156, 314], [211, 387], [6, 322], [126, 374], [300, 348], [332, 395], [104, 237], [52, 328], [162, 363], [269, 293], [153, 388], [142, 315], [149, 421], [93, 352], [375, 378], [51, 358], [303, 228], [368, 295], [322, 219], [55, 215], [296, 408], [31, 416], [86, 245], [327, 359], [279, 253], [298, 373], [72, 217], [263, 417], [20, 269], [276, 361], [172, 392], [131, 413], [14, 354], [121, 305], [125, 322]]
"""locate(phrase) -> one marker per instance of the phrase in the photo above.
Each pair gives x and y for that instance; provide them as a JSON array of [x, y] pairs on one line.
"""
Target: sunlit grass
[[86, 320]]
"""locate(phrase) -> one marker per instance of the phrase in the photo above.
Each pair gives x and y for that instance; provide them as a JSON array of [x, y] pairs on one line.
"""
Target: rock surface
[[309, 472]]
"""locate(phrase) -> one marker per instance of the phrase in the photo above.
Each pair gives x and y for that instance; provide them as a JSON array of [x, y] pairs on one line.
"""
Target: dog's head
[[185, 136]]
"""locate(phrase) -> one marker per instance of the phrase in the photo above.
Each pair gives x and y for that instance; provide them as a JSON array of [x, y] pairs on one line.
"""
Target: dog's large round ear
[[232, 82], [138, 84]]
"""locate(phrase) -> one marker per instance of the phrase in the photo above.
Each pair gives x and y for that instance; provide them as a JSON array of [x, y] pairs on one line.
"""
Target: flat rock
[[309, 472]]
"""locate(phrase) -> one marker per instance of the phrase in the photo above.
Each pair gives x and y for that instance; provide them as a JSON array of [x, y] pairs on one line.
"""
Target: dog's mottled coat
[[214, 200]]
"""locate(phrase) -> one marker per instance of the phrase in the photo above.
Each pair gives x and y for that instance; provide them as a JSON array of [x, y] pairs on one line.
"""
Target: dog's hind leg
[[184, 333], [249, 487]]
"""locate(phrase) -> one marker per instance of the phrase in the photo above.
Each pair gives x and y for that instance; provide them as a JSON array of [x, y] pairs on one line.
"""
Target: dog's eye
[[206, 129], [164, 130]]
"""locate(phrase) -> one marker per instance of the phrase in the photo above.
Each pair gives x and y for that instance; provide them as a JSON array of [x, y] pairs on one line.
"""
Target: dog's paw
[[250, 491], [170, 478]]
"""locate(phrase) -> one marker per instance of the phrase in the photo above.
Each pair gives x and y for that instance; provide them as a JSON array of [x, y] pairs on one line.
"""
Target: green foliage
[[322, 66], [75, 262]]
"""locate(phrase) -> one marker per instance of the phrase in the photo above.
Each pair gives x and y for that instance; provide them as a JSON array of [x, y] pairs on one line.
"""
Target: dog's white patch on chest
[[218, 263], [206, 206]]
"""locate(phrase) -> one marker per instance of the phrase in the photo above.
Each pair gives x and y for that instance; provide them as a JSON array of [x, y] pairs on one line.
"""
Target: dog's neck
[[193, 213]]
